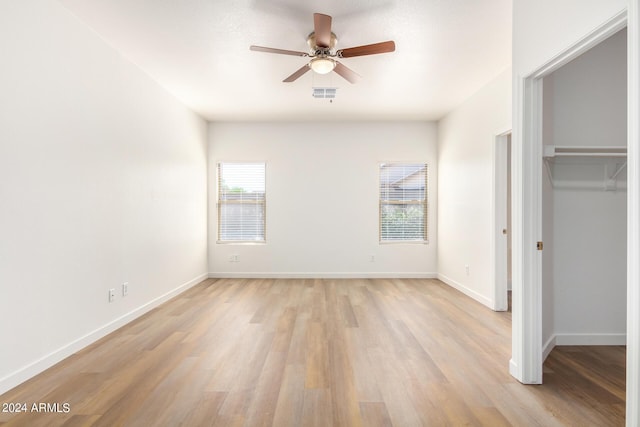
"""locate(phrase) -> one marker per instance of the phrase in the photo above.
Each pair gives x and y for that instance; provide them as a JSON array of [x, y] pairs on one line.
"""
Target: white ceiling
[[199, 51]]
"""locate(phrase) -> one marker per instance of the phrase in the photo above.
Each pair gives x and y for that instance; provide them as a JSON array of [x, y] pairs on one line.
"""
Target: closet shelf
[[606, 153], [583, 151]]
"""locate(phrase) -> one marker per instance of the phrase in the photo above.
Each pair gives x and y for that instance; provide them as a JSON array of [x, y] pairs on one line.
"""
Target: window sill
[[403, 242], [241, 242]]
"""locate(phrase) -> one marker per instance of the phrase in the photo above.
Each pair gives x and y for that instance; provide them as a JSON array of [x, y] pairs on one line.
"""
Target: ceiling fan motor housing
[[311, 41]]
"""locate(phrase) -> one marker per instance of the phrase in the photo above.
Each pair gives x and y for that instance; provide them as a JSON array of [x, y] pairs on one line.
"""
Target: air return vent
[[324, 92]]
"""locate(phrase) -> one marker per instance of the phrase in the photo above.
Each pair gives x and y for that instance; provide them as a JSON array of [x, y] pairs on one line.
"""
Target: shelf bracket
[[547, 166], [615, 175]]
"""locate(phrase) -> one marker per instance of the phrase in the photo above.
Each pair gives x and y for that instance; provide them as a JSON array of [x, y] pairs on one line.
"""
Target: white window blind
[[403, 202], [241, 202]]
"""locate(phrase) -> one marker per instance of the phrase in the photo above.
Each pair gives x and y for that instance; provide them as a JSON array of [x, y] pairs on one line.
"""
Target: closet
[[584, 199]]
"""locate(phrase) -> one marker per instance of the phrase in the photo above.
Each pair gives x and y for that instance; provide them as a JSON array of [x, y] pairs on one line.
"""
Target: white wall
[[103, 181], [322, 198], [545, 28], [589, 96], [465, 161], [585, 105]]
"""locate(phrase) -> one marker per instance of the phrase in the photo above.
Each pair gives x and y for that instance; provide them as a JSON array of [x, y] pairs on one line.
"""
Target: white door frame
[[526, 361], [499, 214], [633, 214]]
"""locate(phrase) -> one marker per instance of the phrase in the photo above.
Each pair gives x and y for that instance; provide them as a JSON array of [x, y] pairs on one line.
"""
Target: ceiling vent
[[324, 92]]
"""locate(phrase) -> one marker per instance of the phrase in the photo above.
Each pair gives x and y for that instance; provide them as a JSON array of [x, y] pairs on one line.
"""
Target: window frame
[[220, 203], [424, 203]]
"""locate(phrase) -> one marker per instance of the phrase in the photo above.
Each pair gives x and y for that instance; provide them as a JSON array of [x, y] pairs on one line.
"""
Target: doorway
[[502, 222], [584, 198]]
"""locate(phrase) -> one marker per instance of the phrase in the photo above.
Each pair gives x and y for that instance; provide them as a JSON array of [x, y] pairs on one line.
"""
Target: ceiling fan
[[321, 51]]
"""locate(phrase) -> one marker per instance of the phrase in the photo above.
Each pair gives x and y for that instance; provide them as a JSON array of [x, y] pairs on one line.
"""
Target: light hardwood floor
[[383, 352]]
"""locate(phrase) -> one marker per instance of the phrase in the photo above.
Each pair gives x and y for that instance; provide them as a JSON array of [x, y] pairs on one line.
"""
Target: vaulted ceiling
[[199, 51]]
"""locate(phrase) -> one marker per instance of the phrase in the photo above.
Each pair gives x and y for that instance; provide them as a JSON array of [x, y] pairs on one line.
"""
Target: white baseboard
[[582, 339], [591, 339], [325, 275], [468, 292], [513, 369], [547, 347], [18, 377]]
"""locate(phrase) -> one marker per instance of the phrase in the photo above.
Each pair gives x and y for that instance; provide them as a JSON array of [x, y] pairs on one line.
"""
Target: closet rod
[[584, 151]]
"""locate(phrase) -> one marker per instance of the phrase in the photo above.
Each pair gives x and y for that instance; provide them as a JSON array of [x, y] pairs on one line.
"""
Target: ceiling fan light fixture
[[322, 65]]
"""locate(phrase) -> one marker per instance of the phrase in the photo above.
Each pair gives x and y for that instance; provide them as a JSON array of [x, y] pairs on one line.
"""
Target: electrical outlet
[[233, 258], [466, 268], [112, 294], [125, 289], [372, 258]]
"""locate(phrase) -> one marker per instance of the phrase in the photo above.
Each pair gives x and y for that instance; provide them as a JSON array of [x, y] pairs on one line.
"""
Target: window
[[403, 202], [241, 202]]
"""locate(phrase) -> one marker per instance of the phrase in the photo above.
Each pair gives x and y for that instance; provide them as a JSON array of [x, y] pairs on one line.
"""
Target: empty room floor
[[321, 352]]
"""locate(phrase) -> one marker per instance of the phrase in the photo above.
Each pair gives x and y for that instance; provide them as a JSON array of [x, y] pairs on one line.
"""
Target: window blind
[[403, 202], [241, 202]]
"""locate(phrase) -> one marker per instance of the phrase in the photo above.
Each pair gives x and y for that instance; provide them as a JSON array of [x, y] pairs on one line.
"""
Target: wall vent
[[324, 92]]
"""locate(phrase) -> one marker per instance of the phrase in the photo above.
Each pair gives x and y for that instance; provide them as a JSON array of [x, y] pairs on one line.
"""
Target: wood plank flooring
[[267, 352]]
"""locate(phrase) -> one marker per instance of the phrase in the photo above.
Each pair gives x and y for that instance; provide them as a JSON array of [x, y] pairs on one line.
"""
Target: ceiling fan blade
[[280, 51], [322, 28], [295, 76], [347, 73], [369, 49]]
